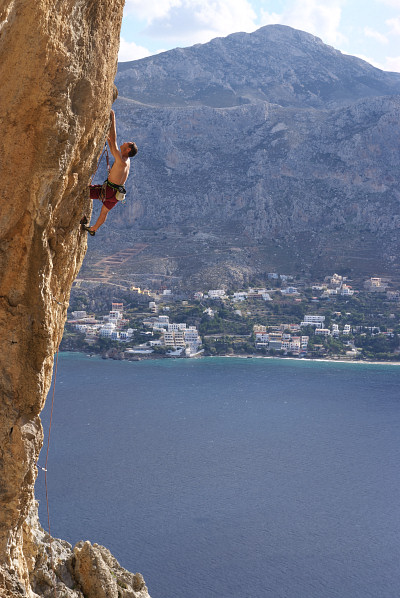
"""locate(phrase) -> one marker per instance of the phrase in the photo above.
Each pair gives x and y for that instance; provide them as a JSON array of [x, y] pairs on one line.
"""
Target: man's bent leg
[[101, 219]]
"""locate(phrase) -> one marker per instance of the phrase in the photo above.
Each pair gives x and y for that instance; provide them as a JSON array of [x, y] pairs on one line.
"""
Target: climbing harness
[[119, 189]]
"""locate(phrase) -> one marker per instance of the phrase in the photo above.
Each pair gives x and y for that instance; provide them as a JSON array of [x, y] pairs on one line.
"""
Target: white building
[[317, 321], [117, 307], [259, 328], [174, 327], [159, 326], [310, 318], [191, 335], [335, 280], [346, 291], [169, 339], [107, 330], [126, 335], [179, 339], [216, 293], [393, 295], [240, 296], [335, 330], [290, 327], [262, 339], [295, 345], [153, 307], [329, 292], [182, 337], [114, 316], [323, 331], [376, 285], [78, 315], [161, 323], [304, 342]]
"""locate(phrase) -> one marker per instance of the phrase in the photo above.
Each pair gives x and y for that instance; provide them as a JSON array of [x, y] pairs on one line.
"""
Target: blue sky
[[369, 29]]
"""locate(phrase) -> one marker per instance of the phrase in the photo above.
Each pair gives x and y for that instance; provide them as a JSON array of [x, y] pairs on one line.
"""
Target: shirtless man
[[107, 192]]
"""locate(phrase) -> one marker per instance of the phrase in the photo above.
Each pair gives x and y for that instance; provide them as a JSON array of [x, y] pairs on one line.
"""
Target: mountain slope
[[276, 64], [292, 164]]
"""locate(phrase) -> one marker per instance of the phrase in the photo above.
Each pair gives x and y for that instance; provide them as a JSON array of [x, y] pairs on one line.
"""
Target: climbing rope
[[45, 476], [105, 151]]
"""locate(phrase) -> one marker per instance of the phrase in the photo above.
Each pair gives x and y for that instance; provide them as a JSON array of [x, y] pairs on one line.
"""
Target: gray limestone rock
[[270, 142]]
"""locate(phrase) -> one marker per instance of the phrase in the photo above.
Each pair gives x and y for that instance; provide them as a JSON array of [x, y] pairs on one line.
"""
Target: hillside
[[257, 152]]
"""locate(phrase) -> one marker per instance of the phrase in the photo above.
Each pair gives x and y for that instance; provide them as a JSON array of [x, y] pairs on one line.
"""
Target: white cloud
[[372, 61], [389, 64], [271, 18], [226, 15], [130, 51], [314, 16], [392, 63], [148, 11], [379, 37], [196, 21], [392, 3], [394, 25]]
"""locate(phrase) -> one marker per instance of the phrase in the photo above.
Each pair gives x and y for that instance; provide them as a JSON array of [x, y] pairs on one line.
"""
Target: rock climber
[[112, 190]]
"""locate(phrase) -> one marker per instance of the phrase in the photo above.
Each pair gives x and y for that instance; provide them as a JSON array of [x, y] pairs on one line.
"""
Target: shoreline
[[249, 356], [303, 359]]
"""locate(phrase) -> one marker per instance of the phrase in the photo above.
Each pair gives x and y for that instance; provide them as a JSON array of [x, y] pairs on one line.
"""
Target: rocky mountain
[[275, 64], [257, 152]]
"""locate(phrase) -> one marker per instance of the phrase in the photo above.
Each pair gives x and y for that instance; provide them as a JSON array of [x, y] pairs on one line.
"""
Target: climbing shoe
[[87, 228], [83, 223]]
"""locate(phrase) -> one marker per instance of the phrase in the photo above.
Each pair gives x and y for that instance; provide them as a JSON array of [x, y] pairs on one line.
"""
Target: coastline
[[308, 359], [249, 356]]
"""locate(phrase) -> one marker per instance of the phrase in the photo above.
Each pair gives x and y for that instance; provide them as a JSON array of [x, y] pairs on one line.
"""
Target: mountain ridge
[[209, 62], [280, 172]]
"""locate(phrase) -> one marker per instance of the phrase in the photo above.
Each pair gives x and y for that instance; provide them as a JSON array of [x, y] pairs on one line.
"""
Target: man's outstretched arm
[[112, 137]]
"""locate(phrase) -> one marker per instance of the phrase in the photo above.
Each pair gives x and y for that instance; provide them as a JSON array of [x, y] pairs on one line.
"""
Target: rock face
[[258, 152], [57, 66], [86, 571]]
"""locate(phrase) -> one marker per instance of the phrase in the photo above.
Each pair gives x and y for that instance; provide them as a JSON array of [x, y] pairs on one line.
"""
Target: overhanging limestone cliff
[[58, 60]]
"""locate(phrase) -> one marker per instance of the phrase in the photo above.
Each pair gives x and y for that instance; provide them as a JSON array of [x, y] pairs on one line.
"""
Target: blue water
[[231, 478]]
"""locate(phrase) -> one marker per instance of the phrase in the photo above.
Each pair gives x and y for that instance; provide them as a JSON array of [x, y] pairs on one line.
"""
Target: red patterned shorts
[[105, 193]]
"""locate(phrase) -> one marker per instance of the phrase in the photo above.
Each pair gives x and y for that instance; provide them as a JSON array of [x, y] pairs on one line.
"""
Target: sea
[[230, 477]]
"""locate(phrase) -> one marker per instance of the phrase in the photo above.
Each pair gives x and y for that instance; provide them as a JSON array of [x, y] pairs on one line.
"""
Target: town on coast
[[328, 319]]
